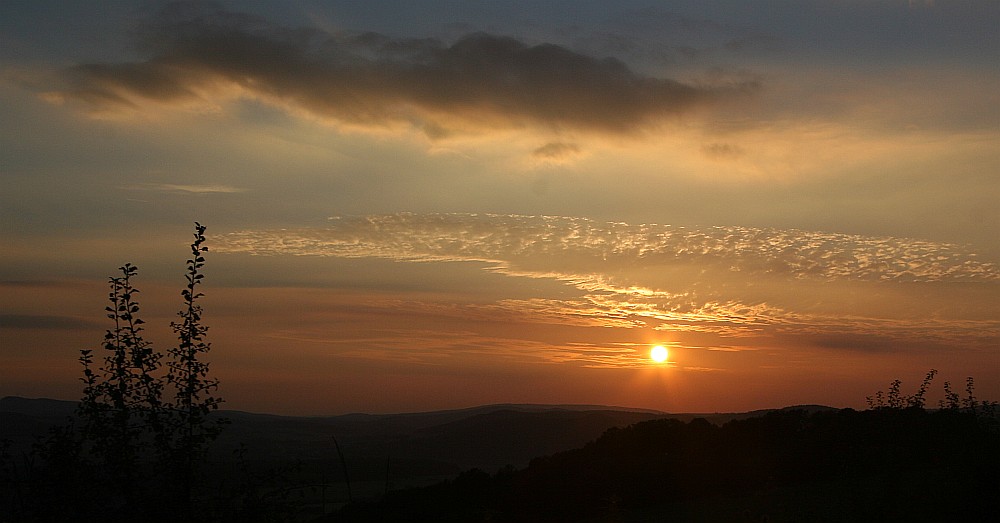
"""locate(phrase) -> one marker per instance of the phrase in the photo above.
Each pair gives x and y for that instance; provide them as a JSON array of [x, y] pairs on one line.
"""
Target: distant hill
[[598, 463], [390, 448], [37, 407], [22, 420]]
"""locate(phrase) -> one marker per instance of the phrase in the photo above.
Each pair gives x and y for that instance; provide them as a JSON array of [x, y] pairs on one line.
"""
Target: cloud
[[721, 282], [568, 246], [556, 152], [439, 347], [722, 151], [41, 321], [186, 188], [202, 56]]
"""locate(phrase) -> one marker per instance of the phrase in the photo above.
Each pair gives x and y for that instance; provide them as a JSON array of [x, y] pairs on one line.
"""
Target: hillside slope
[[791, 465]]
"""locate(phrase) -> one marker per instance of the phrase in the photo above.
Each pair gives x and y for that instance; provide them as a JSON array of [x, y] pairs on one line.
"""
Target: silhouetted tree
[[134, 418], [121, 408], [192, 430], [984, 410]]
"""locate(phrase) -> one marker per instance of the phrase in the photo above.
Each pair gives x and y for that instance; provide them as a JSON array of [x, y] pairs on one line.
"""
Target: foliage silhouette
[[135, 448], [190, 431], [121, 404], [984, 410]]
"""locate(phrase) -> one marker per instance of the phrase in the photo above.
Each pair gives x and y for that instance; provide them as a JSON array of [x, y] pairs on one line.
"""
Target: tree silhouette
[[134, 418], [192, 430], [121, 405]]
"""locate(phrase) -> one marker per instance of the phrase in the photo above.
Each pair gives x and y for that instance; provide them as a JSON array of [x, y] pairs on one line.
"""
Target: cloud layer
[[201, 57], [727, 282], [541, 243]]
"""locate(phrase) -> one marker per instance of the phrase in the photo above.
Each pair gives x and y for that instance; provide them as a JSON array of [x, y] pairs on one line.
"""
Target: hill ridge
[[47, 406]]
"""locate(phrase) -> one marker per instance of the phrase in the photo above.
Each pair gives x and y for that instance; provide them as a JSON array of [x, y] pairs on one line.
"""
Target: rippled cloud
[[725, 282], [530, 243]]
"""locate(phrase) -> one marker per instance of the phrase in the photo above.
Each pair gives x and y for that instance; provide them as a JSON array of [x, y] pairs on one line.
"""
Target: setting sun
[[658, 354]]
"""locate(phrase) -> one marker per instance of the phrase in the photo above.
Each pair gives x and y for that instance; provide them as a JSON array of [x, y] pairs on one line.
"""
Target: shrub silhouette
[[189, 431], [140, 436], [984, 410]]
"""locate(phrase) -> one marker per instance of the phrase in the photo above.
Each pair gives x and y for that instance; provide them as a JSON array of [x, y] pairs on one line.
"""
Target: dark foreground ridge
[[790, 465], [806, 463]]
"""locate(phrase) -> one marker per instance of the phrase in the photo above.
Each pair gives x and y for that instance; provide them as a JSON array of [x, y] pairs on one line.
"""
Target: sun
[[658, 354]]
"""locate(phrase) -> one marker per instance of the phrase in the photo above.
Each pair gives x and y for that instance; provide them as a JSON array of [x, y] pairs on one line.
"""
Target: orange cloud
[[556, 152], [713, 283]]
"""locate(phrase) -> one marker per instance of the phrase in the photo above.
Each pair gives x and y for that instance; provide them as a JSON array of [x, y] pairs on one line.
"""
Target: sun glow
[[658, 354]]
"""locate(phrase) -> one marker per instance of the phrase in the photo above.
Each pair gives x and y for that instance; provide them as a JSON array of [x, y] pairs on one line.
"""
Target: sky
[[415, 206]]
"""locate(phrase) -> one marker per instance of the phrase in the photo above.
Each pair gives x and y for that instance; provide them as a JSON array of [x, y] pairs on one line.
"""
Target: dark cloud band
[[371, 79], [31, 321]]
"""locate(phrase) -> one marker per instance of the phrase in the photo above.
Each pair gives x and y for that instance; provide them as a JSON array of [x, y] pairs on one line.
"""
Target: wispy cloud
[[569, 247], [43, 321], [203, 56], [185, 188], [698, 281], [556, 152], [432, 348]]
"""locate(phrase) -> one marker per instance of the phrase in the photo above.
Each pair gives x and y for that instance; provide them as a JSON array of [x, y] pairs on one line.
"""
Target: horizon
[[497, 406], [415, 207]]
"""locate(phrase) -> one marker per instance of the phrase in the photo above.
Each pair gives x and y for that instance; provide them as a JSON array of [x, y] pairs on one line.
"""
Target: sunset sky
[[425, 205]]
